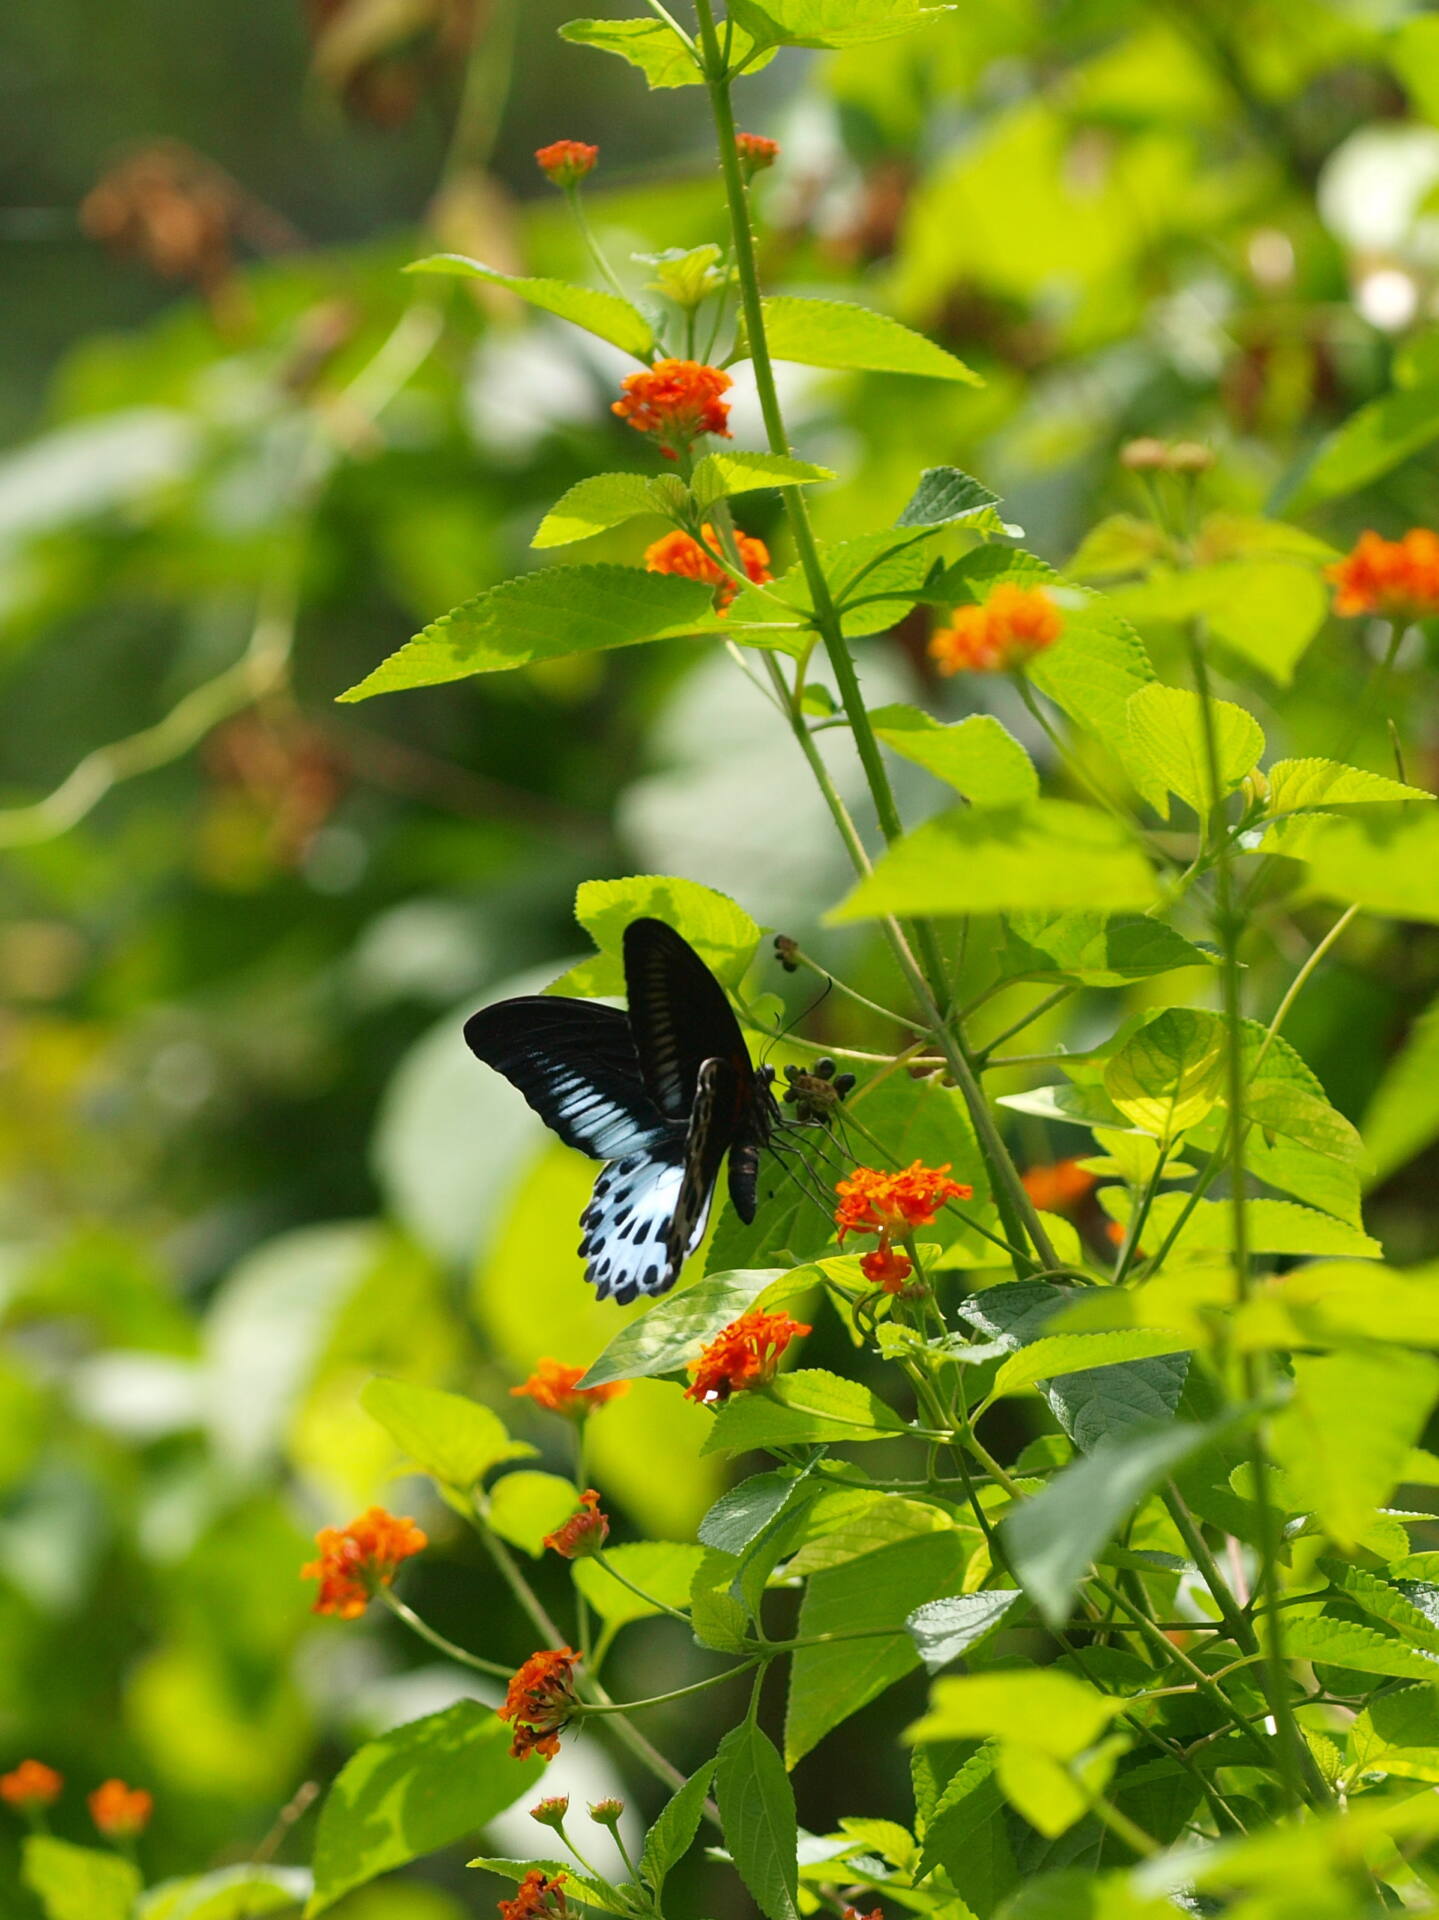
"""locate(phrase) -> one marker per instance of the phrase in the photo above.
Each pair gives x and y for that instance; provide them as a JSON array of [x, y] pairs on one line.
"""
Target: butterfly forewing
[[679, 1017]]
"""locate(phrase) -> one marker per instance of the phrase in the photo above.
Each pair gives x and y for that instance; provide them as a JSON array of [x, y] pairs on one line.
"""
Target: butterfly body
[[661, 1093]]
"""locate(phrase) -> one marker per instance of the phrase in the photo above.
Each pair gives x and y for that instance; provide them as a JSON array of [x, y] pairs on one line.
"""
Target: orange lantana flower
[[1058, 1186], [756, 152], [541, 1702], [1013, 625], [886, 1267], [358, 1559], [584, 1533], [566, 162], [120, 1812], [746, 1354], [538, 1897], [681, 553], [555, 1387], [1397, 579], [31, 1786], [676, 400], [875, 1202]]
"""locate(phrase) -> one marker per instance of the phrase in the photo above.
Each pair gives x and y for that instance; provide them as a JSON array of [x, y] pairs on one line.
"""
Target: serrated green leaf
[[672, 1333], [415, 1789], [604, 314], [756, 1804], [1166, 732], [664, 1568], [1402, 1117], [524, 1507], [673, 1833], [977, 756], [1295, 785], [78, 1883], [1308, 1118], [593, 506], [1052, 1540], [1046, 1710], [829, 1683], [1378, 437], [1169, 1074], [944, 495], [843, 1524], [720, 931], [1345, 1643], [1274, 1226], [944, 1629], [969, 1837], [542, 616], [1039, 1789], [1385, 1602], [242, 1892], [1395, 1734], [1049, 854], [1065, 1353], [847, 338], [1266, 608], [1096, 949], [658, 51], [594, 1893], [720, 475], [742, 1514], [800, 1408], [831, 23], [455, 1439], [1385, 859], [1347, 1430]]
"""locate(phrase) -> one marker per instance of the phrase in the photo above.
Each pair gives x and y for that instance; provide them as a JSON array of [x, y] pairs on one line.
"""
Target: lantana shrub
[[1183, 1652]]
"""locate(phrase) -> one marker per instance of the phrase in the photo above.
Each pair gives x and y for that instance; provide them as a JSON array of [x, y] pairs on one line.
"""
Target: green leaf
[[415, 1789], [944, 1629], [672, 1333], [1038, 1707], [664, 1568], [1040, 1790], [604, 314], [969, 1836], [1372, 441], [454, 1439], [833, 333], [1166, 733], [673, 1833], [593, 506], [1384, 1602], [229, 1893], [1049, 854], [657, 50], [79, 1883], [944, 495], [742, 1514], [1345, 1643], [1051, 1540], [756, 1804], [1346, 1433], [541, 616], [1395, 1734], [720, 931], [594, 1893], [881, 1590], [801, 1408], [977, 756], [844, 1524], [1096, 949], [1169, 1074], [1295, 785], [1066, 1353], [1275, 1226], [831, 23], [1265, 608], [720, 475], [1385, 859], [524, 1507], [1402, 1117]]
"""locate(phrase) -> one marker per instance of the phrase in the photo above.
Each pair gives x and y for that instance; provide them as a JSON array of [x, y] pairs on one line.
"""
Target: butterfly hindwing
[[679, 1016], [628, 1224], [575, 1063]]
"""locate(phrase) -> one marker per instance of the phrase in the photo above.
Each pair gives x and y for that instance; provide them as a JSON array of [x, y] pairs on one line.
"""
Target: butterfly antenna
[[789, 1027]]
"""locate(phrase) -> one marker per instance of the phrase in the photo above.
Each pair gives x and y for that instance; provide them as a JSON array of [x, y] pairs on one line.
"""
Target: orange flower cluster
[[356, 1560], [1396, 579], [538, 1897], [556, 1388], [31, 1786], [681, 553], [1056, 1188], [564, 163], [746, 1354], [541, 1702], [676, 400], [756, 152], [120, 1812], [584, 1533], [1013, 625], [891, 1203]]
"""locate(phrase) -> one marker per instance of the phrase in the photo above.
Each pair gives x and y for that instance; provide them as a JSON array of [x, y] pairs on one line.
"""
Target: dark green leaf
[[672, 1835], [756, 1804], [603, 314], [944, 1629], [672, 1333], [945, 494], [742, 1514], [802, 1407], [1097, 949]]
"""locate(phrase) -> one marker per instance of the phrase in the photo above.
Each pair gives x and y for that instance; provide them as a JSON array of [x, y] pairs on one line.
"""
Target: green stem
[[679, 1693], [649, 1599], [426, 1632], [596, 251], [1141, 1215], [982, 1056]]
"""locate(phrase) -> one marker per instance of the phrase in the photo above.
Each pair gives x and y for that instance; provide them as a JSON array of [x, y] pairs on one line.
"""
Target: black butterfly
[[662, 1093]]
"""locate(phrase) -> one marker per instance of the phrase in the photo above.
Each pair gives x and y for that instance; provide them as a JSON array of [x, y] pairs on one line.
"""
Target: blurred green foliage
[[245, 1163]]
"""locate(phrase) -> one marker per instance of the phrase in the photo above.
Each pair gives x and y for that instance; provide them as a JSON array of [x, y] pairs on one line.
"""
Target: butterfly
[[661, 1093]]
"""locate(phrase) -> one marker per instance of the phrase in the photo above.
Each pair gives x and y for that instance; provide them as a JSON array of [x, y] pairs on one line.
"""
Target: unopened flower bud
[[1190, 456], [606, 1813], [551, 1812], [564, 163], [1144, 456]]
